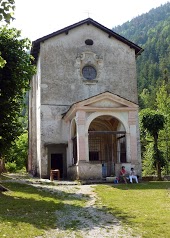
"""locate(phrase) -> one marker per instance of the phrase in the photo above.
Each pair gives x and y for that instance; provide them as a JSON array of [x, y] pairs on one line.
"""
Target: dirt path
[[75, 221], [86, 222]]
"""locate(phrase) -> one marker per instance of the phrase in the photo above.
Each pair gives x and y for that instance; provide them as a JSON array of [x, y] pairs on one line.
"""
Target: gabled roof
[[36, 44], [101, 102]]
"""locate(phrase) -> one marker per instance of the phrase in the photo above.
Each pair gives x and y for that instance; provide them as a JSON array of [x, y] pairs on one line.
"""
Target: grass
[[145, 207], [26, 211]]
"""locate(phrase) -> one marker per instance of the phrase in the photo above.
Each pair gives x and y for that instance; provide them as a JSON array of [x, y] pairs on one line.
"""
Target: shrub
[[11, 167]]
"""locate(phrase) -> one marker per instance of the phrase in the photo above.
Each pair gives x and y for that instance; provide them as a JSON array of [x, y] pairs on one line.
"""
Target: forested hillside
[[151, 31]]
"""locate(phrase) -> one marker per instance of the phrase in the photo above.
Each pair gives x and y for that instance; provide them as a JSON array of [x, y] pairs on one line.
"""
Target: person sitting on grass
[[133, 175], [123, 174]]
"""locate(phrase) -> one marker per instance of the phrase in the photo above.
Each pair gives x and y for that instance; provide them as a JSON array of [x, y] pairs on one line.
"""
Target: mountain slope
[[152, 32]]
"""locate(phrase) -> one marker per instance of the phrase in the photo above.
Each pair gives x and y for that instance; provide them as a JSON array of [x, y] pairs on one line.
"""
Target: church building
[[83, 103]]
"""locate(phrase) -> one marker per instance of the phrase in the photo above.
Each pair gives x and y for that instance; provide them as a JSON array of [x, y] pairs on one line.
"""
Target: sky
[[37, 18]]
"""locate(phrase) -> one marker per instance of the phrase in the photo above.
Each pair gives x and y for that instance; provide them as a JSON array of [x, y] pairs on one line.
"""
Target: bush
[[18, 153], [11, 167]]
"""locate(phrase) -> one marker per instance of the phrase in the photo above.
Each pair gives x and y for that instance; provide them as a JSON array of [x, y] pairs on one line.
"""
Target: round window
[[89, 72]]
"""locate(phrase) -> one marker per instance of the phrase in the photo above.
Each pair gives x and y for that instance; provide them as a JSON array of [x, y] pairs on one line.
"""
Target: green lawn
[[27, 212], [144, 206]]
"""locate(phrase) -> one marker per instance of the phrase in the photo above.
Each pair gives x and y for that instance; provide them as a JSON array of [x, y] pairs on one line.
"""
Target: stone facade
[[85, 89]]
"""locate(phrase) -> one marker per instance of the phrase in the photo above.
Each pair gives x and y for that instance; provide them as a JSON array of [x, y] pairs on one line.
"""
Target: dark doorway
[[57, 163], [75, 150]]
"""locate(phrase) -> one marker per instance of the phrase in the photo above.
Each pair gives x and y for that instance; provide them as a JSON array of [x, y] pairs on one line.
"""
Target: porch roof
[[88, 104]]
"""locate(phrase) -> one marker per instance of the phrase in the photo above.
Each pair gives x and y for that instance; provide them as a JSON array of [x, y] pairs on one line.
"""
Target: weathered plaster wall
[[53, 128], [34, 123], [84, 170], [38, 118], [32, 126], [62, 82]]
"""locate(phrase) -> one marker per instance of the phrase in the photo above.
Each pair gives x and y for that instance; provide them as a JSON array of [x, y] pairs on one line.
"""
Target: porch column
[[70, 147], [133, 136], [128, 148], [81, 142]]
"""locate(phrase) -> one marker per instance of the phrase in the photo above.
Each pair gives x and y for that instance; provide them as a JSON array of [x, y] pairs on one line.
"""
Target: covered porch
[[103, 136]]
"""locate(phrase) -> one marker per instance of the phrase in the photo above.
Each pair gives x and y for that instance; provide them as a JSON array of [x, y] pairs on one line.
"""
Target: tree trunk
[[158, 168], [2, 166], [2, 169], [156, 150]]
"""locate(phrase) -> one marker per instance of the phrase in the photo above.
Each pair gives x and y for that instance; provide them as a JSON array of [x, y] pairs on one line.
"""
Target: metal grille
[[100, 147], [94, 148], [122, 148], [108, 148]]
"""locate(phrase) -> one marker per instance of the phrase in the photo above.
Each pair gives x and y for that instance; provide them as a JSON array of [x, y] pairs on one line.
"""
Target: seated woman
[[123, 174], [133, 175]]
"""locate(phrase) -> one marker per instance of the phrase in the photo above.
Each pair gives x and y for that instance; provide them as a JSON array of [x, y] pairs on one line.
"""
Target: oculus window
[[89, 72]]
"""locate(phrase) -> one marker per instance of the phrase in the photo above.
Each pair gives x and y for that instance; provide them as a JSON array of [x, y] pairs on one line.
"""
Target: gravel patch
[[87, 222], [74, 221]]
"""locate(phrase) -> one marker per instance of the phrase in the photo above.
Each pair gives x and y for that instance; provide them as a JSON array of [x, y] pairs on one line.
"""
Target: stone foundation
[[85, 171]]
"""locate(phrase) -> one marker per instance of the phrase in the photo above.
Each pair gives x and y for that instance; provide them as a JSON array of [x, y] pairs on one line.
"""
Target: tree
[[163, 106], [153, 122], [7, 8], [151, 32], [6, 12], [18, 153], [14, 82]]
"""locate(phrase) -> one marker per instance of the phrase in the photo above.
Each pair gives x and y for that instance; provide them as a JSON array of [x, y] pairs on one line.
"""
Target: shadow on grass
[[143, 185], [33, 206], [44, 190], [28, 205]]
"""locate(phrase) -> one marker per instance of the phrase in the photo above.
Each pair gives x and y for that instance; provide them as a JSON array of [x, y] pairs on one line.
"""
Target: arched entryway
[[107, 143], [103, 131]]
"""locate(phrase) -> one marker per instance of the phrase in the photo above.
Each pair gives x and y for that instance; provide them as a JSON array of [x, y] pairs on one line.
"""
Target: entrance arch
[[110, 120], [107, 143]]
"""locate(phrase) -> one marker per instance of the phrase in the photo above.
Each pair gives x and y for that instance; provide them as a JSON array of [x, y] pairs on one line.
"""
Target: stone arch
[[117, 115], [106, 140]]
